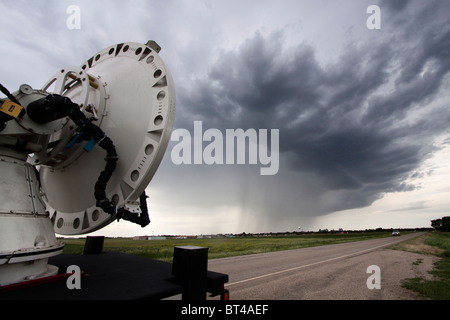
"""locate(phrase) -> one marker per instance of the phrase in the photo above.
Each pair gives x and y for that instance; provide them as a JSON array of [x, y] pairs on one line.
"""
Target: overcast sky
[[363, 114]]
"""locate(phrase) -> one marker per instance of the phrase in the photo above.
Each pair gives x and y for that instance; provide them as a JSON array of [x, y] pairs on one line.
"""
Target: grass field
[[221, 247]]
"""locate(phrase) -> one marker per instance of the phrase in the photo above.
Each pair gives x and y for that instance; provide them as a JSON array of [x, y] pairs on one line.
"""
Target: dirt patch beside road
[[425, 257], [409, 265], [418, 245]]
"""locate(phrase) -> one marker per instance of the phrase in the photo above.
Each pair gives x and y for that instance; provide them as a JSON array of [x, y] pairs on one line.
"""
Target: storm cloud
[[358, 127], [358, 111]]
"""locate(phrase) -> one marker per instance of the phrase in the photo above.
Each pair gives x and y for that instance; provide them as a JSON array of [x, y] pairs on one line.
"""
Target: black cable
[[4, 118], [100, 186], [111, 158], [54, 107], [8, 94], [142, 219]]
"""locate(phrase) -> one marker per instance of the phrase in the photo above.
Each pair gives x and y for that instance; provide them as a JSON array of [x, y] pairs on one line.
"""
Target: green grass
[[439, 287], [440, 240], [221, 247]]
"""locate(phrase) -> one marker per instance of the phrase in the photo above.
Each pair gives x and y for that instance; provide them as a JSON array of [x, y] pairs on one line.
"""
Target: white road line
[[307, 265]]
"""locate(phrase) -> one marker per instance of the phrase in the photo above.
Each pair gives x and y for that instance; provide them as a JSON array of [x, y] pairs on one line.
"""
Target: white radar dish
[[129, 92]]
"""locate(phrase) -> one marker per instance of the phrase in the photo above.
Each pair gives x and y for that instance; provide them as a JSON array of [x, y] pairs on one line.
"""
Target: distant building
[[204, 236], [149, 238]]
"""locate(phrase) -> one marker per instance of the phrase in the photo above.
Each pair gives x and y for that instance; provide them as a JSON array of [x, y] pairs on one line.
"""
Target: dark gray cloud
[[395, 5], [357, 116], [350, 123]]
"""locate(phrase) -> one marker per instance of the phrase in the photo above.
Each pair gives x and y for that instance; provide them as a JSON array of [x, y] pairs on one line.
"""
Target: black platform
[[112, 276]]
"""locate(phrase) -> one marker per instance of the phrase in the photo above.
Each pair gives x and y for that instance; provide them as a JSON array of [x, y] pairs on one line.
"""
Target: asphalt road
[[332, 272]]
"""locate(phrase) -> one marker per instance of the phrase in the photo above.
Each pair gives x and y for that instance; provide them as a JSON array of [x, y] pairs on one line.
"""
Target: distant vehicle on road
[[395, 233]]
